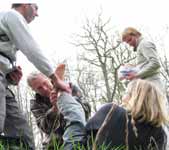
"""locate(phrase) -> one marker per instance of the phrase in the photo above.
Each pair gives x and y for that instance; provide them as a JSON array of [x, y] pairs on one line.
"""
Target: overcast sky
[[58, 20]]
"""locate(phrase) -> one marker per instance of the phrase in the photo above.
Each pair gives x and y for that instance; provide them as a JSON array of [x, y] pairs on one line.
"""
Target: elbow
[[157, 65]]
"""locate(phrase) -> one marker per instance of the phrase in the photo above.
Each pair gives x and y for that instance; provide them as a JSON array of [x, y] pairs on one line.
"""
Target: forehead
[[38, 80], [126, 37], [34, 5]]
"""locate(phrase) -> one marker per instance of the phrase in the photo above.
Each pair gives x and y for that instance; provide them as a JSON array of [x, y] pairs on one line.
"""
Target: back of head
[[76, 91], [130, 31], [147, 103], [16, 5]]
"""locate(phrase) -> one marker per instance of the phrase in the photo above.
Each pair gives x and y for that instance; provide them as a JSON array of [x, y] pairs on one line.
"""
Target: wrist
[[53, 78]]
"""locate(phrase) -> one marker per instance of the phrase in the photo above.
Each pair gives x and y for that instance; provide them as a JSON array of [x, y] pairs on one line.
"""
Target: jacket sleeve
[[46, 119], [151, 65], [20, 35]]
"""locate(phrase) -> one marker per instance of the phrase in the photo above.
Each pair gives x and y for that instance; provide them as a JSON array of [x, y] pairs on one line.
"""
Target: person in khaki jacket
[[147, 63], [147, 57]]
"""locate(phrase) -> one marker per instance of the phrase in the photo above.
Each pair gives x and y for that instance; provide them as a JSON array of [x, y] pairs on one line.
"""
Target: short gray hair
[[33, 76]]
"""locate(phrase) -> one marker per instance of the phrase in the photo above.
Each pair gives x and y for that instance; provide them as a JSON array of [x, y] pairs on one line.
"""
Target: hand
[[129, 65], [16, 75], [122, 78], [59, 84], [131, 76], [53, 97], [55, 108]]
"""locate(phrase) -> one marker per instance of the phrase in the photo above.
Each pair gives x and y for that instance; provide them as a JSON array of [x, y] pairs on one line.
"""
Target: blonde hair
[[146, 103], [130, 31]]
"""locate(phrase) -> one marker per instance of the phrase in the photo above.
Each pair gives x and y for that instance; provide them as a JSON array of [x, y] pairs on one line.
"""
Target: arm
[[22, 38], [151, 66], [45, 117]]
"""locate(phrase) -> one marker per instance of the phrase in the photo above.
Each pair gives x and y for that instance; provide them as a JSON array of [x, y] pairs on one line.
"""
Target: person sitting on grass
[[62, 120], [136, 124]]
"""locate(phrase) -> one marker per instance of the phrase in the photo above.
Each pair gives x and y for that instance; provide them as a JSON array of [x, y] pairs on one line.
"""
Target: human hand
[[55, 108], [15, 75], [129, 65], [53, 97], [131, 76], [122, 78], [59, 84]]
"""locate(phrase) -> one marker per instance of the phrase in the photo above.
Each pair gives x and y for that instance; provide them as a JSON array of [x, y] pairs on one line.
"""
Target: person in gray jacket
[[147, 58], [15, 35]]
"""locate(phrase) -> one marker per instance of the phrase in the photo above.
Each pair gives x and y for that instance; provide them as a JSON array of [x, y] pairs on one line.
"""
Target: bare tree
[[105, 53], [165, 71]]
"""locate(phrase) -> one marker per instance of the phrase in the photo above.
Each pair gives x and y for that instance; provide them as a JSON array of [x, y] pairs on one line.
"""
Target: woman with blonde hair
[[138, 123]]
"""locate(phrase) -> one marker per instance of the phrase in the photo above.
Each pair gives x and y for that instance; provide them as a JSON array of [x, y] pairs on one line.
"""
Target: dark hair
[[76, 91], [15, 5]]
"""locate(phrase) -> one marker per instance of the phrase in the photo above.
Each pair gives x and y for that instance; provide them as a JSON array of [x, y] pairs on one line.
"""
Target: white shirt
[[14, 25]]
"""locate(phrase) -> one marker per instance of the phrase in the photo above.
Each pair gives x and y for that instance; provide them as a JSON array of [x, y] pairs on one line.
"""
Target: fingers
[[53, 97], [60, 85], [55, 108], [19, 67], [19, 71], [122, 78], [16, 75]]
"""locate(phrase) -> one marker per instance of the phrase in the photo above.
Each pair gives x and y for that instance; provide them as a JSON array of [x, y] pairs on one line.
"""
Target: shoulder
[[109, 111], [13, 17], [11, 14], [116, 114], [97, 119], [145, 43], [39, 101]]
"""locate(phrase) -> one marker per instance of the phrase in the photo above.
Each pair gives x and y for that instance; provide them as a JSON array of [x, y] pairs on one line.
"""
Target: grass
[[7, 143], [13, 144], [7, 146], [56, 146]]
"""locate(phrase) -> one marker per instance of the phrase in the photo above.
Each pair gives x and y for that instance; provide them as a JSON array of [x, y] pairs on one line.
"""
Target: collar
[[138, 42], [42, 99]]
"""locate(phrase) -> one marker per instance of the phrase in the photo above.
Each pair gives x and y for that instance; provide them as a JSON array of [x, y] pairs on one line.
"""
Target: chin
[[30, 20]]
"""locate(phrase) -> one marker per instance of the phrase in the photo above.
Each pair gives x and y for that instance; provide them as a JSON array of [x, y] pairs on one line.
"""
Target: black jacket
[[117, 131]]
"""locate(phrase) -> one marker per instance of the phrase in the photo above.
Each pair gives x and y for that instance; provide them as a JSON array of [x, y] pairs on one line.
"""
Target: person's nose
[[35, 13], [45, 88]]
